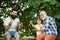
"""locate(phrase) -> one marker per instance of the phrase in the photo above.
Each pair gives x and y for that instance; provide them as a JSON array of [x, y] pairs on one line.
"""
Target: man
[[50, 28], [11, 25]]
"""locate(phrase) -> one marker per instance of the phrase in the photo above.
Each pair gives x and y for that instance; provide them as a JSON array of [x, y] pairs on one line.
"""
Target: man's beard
[[13, 16]]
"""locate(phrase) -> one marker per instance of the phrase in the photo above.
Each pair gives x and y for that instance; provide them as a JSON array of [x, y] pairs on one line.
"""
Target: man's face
[[42, 15], [13, 14]]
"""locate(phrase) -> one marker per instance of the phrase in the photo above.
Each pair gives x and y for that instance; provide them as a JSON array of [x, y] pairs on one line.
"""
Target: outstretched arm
[[32, 24]]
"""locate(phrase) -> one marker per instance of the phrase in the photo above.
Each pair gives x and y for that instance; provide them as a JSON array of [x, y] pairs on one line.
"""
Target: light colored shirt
[[14, 24], [38, 27]]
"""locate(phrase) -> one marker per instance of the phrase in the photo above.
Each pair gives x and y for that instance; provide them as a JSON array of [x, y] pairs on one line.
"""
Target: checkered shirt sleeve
[[49, 26]]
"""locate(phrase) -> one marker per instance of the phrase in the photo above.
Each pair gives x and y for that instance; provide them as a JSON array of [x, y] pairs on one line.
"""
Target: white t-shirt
[[38, 27], [14, 24]]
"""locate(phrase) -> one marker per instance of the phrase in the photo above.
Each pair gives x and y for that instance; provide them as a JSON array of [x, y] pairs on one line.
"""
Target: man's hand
[[11, 21], [9, 25]]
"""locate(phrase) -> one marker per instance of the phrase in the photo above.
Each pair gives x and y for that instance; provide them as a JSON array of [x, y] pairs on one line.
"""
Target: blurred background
[[29, 10]]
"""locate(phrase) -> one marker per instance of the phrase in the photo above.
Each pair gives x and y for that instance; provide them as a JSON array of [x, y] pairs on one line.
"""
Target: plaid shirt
[[49, 26]]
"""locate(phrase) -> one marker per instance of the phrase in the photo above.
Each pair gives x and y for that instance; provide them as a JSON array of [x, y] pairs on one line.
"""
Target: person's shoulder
[[49, 18], [7, 18], [17, 19], [41, 25], [36, 24]]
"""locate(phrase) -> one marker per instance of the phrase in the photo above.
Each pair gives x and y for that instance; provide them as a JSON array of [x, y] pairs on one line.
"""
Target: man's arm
[[7, 27], [53, 24], [18, 26], [7, 24], [46, 25]]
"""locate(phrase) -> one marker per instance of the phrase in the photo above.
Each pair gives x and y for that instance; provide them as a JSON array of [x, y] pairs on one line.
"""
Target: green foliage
[[29, 10], [1, 28]]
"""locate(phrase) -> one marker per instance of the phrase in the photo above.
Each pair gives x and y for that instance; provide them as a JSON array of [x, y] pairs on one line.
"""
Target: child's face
[[38, 21]]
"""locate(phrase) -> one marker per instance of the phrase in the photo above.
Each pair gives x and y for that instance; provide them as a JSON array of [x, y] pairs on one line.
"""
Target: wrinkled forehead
[[14, 12], [42, 13]]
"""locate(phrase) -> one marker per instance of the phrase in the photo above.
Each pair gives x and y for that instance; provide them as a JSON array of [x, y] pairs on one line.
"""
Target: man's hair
[[14, 9], [41, 10]]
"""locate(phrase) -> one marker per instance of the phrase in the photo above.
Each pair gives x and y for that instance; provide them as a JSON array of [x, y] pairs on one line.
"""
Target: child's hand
[[30, 22]]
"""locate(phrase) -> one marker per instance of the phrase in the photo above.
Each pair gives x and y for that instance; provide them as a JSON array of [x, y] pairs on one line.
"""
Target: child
[[39, 29]]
